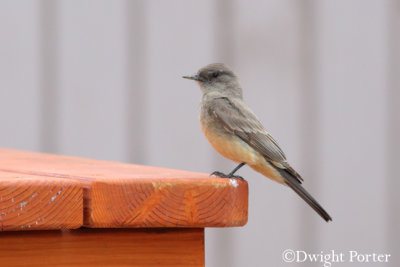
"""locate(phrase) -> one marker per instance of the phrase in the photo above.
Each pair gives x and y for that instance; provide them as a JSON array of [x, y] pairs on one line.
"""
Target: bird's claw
[[223, 175], [219, 174]]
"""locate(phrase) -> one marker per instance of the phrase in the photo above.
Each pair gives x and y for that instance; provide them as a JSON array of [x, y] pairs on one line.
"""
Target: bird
[[236, 133]]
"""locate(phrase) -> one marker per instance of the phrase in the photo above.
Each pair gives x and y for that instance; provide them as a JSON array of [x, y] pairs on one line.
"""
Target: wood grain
[[101, 194], [103, 247], [35, 202]]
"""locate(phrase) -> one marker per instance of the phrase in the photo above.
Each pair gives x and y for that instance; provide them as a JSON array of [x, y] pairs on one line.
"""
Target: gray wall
[[102, 79]]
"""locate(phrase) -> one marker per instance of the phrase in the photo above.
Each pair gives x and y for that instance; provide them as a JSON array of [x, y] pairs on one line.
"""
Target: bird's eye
[[215, 74]]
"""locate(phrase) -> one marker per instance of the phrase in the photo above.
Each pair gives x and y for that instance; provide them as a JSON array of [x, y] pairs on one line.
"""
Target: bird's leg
[[231, 174]]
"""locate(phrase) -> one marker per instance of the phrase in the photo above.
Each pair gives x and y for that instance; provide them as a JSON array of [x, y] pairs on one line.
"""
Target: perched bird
[[235, 132]]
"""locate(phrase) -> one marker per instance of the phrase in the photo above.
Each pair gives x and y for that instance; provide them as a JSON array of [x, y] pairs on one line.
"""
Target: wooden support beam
[[103, 247]]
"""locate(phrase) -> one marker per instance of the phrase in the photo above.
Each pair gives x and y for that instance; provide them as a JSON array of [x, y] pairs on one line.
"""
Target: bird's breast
[[226, 143]]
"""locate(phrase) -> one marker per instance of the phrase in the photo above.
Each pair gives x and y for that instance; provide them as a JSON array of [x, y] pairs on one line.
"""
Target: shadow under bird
[[235, 132]]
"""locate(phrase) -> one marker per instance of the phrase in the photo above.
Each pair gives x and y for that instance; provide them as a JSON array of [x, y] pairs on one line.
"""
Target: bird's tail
[[293, 183]]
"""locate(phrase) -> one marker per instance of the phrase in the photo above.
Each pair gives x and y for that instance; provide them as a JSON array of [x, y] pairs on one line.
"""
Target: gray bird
[[235, 132]]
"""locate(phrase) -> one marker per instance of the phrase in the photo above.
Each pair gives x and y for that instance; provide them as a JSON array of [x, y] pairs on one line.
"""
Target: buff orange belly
[[235, 149]]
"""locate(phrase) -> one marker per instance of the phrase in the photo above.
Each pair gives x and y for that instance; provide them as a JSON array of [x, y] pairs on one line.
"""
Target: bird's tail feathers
[[293, 183]]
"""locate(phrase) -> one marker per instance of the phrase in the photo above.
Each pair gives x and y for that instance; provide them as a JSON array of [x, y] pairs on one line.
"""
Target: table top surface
[[46, 191]]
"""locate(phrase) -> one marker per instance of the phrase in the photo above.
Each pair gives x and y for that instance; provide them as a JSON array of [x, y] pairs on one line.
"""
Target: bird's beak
[[193, 77]]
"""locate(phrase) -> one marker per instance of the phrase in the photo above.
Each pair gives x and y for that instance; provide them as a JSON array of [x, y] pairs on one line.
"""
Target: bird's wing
[[241, 121]]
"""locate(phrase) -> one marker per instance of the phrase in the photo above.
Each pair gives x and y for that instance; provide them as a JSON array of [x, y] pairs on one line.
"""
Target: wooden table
[[109, 214]]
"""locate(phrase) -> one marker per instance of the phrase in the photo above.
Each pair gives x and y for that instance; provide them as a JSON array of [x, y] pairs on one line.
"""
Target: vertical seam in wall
[[393, 129], [48, 79], [223, 47], [136, 70], [309, 116], [224, 31], [223, 51]]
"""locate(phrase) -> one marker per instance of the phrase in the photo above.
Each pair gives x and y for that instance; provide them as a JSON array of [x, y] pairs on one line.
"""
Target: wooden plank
[[117, 195], [103, 247], [168, 202], [34, 202]]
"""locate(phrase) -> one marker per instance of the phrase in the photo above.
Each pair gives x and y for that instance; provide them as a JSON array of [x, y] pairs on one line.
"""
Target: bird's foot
[[223, 175], [219, 174]]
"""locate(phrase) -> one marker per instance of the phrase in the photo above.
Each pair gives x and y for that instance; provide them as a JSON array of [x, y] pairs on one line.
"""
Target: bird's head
[[217, 77]]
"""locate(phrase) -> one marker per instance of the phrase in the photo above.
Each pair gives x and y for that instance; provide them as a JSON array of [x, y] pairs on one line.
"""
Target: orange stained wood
[[43, 191], [103, 247]]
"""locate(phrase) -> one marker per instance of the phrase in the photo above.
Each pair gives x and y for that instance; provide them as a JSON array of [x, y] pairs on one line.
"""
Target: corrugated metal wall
[[102, 79]]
